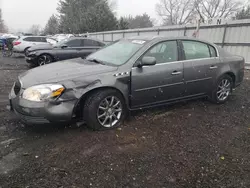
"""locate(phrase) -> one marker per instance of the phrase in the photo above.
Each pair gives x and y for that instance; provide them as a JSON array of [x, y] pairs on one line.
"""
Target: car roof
[[32, 36], [146, 38], [86, 38], [159, 38]]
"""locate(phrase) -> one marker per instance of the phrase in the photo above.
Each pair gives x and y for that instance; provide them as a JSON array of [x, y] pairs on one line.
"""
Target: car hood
[[70, 71]]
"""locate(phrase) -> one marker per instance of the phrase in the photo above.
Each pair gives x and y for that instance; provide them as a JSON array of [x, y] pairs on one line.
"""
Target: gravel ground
[[193, 144]]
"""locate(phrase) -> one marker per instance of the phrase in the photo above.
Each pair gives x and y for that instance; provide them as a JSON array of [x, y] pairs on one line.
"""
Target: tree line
[[3, 27], [82, 16]]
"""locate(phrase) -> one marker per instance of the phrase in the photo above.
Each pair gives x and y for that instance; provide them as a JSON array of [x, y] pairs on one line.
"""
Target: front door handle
[[213, 67], [176, 73]]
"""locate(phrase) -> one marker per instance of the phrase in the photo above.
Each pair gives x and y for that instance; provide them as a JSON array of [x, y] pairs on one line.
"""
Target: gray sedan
[[128, 74]]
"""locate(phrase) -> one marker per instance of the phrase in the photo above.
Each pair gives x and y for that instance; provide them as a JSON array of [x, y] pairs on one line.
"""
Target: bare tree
[[175, 12], [182, 11], [35, 29], [244, 13], [217, 8]]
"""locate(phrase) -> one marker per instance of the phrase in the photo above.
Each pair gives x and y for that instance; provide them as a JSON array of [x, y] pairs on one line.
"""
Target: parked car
[[1, 42], [9, 41], [60, 37], [23, 43], [51, 43], [47, 46], [67, 49], [129, 74]]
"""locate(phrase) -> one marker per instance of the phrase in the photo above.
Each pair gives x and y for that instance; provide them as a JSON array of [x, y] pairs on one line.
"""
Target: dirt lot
[[194, 144]]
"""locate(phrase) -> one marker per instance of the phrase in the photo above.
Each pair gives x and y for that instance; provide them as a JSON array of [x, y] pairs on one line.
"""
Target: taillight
[[16, 43]]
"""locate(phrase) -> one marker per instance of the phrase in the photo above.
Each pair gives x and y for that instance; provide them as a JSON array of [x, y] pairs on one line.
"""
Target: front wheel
[[104, 110], [26, 53], [222, 90], [44, 59]]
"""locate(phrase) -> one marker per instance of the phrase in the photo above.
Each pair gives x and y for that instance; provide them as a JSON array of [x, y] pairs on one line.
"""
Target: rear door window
[[195, 50], [90, 43], [41, 39], [30, 39]]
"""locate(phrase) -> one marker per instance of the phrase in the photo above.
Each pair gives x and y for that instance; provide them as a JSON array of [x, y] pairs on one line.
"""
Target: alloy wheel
[[224, 89], [109, 111], [43, 60]]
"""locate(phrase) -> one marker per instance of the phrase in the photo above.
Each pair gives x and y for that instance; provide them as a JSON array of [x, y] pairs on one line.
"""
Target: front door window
[[164, 52]]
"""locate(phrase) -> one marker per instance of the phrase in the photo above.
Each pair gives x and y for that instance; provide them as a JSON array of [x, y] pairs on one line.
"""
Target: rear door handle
[[213, 67], [176, 73]]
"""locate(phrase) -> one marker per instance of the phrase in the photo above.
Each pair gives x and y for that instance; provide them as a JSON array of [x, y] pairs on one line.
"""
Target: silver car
[[129, 74], [23, 43]]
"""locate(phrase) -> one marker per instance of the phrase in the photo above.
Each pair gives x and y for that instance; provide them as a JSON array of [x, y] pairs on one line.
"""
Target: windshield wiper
[[96, 61]]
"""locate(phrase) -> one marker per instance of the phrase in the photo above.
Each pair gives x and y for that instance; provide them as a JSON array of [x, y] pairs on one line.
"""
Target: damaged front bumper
[[48, 112], [31, 60]]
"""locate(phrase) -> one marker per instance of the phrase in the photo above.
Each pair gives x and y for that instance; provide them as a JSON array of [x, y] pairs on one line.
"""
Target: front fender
[[80, 89]]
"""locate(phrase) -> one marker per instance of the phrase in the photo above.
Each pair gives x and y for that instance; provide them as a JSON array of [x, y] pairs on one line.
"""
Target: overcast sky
[[19, 15]]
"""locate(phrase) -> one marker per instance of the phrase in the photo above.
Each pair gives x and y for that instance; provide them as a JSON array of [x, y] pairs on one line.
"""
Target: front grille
[[17, 87]]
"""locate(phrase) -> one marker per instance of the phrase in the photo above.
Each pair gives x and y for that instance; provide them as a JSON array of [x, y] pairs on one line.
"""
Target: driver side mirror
[[147, 61], [64, 46]]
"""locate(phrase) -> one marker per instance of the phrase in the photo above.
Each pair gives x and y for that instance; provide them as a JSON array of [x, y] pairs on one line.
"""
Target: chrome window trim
[[217, 52], [181, 61]]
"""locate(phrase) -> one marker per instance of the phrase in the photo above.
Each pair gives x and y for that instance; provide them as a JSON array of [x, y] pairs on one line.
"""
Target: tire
[[99, 115], [220, 95], [44, 59]]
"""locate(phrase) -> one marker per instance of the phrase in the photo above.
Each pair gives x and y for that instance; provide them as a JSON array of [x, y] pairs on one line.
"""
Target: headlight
[[32, 53], [42, 92]]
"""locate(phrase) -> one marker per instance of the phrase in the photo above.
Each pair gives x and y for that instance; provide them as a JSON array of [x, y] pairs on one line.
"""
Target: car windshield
[[60, 43], [117, 53]]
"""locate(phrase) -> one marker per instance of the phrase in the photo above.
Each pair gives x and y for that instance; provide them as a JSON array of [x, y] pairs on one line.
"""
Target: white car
[[60, 37], [23, 43]]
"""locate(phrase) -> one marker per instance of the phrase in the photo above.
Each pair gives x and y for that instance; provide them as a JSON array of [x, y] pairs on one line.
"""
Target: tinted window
[[195, 50], [164, 52], [74, 43], [41, 39], [30, 39], [212, 51], [101, 44], [88, 42]]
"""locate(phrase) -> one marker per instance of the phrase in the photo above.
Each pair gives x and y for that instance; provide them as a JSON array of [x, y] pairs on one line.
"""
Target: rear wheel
[[223, 89], [104, 110], [44, 59]]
